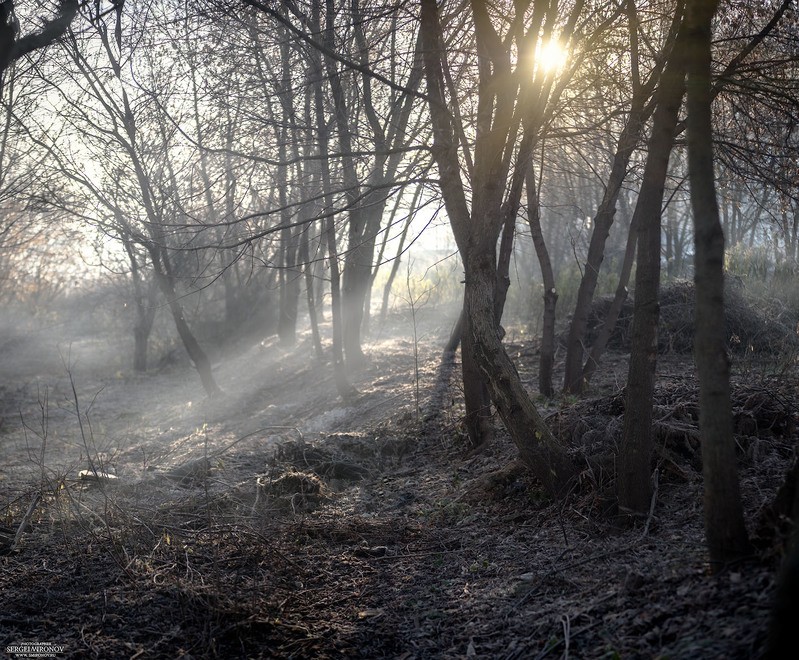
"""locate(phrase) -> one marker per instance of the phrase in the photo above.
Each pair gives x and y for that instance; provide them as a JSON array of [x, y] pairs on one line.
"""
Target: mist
[[421, 330]]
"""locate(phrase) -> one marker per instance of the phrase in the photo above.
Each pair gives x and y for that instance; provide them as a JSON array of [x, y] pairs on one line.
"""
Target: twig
[[565, 622], [651, 504], [25, 520], [219, 452]]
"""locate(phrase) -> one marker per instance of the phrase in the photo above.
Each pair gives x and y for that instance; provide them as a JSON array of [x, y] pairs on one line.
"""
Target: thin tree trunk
[[304, 257], [193, 348], [602, 223], [503, 264], [612, 317], [394, 270], [634, 487], [379, 261], [343, 386], [398, 258], [289, 291], [724, 522], [603, 220], [145, 308], [546, 358]]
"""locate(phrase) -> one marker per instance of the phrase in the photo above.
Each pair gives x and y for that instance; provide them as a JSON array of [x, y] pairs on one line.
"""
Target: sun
[[551, 56]]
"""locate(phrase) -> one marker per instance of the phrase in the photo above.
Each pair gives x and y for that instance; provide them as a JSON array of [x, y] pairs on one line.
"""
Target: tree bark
[[477, 400], [538, 448], [144, 299], [634, 487], [193, 348], [546, 358], [785, 611], [476, 231], [725, 530]]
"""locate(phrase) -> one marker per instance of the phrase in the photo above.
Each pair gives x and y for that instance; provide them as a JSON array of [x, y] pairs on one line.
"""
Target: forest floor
[[278, 521]]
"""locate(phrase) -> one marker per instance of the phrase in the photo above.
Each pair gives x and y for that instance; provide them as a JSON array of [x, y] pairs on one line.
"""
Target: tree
[[477, 226], [372, 128], [641, 109], [724, 523], [97, 104]]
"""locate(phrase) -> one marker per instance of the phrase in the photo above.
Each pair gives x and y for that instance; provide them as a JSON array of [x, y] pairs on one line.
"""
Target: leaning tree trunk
[[612, 317], [400, 251], [634, 487], [538, 448], [193, 348], [724, 522], [573, 381], [476, 232], [640, 111]]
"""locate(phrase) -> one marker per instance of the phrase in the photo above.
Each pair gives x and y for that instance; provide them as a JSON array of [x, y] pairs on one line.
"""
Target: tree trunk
[[144, 302], [289, 288], [193, 348], [145, 317], [640, 111], [538, 448], [398, 258], [476, 232], [724, 522], [634, 487], [603, 220], [343, 386], [289, 291], [785, 612], [546, 358], [363, 227], [477, 400], [304, 258], [601, 342]]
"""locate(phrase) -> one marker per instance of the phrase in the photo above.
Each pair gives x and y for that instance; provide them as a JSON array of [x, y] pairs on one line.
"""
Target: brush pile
[[748, 330]]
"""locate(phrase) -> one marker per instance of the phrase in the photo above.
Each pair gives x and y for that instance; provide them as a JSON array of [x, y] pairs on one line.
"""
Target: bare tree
[[104, 114], [476, 226], [641, 109]]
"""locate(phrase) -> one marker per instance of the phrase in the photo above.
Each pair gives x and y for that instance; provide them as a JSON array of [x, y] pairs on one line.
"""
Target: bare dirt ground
[[279, 521]]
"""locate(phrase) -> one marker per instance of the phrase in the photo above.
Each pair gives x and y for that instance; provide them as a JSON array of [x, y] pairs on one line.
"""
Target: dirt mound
[[747, 329]]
